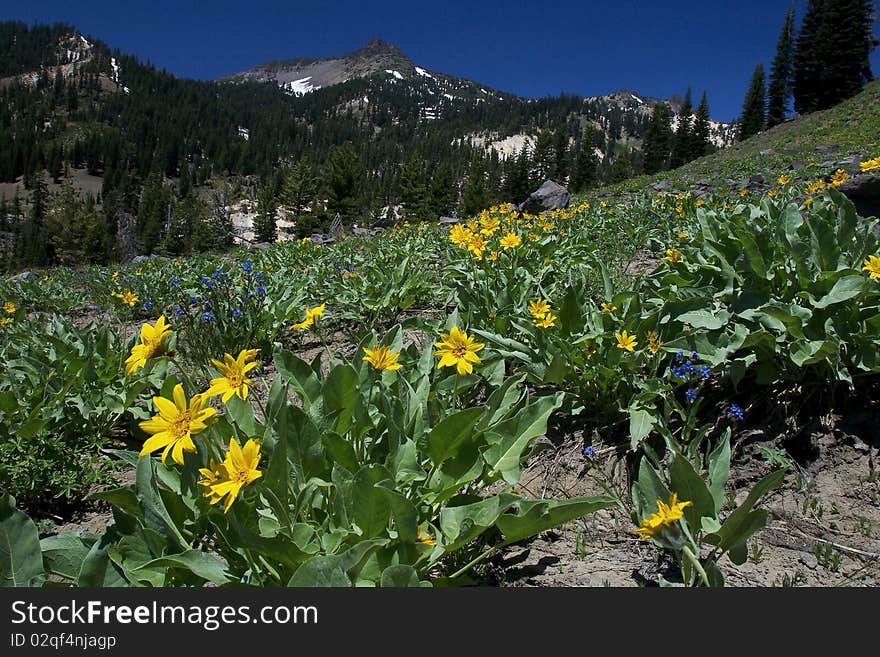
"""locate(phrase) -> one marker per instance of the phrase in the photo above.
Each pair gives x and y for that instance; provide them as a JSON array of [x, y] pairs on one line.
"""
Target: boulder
[[661, 186], [22, 277], [448, 220], [797, 165], [864, 191], [549, 196]]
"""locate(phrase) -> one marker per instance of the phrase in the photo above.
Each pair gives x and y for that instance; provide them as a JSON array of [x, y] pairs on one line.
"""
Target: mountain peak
[[301, 75]]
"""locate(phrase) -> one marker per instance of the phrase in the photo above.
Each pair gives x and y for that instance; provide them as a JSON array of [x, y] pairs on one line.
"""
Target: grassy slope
[[853, 126]]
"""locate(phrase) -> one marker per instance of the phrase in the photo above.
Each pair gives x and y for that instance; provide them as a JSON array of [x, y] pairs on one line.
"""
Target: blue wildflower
[[690, 395], [208, 316], [207, 281], [590, 453], [261, 291], [247, 266], [735, 412], [148, 305], [174, 281], [695, 356], [208, 305], [193, 299], [678, 370], [689, 368], [237, 314], [249, 296], [679, 355], [259, 276], [178, 311], [705, 371]]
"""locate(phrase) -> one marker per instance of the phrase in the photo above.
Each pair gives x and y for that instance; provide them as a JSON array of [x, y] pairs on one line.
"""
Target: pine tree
[[559, 173], [474, 195], [443, 193], [700, 144], [517, 184], [781, 72], [682, 144], [298, 189], [340, 182], [812, 42], [753, 118], [586, 165], [265, 226], [850, 42], [621, 168], [413, 191], [658, 139], [542, 157]]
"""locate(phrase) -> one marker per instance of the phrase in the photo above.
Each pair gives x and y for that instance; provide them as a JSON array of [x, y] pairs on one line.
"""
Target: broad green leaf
[[399, 576], [21, 560], [534, 516], [447, 437], [320, 571], [201, 564], [509, 439]]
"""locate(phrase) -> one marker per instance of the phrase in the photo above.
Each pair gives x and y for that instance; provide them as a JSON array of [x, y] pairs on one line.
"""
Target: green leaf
[[705, 319], [21, 559], [399, 576], [64, 554], [534, 516], [370, 507], [689, 486], [155, 514], [340, 394], [447, 437], [320, 571], [719, 470], [300, 375], [509, 439], [744, 522], [844, 289], [242, 414], [641, 422], [462, 524], [200, 564]]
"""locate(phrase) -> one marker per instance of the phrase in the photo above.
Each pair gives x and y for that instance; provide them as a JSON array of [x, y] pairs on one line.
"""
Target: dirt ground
[[823, 529]]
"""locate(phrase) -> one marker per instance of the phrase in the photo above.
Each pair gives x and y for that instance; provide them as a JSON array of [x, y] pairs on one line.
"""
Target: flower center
[[180, 427], [240, 476], [459, 351]]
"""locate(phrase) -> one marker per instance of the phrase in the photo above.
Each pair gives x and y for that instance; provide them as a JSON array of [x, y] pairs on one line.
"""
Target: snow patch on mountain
[[396, 74], [300, 87], [424, 73]]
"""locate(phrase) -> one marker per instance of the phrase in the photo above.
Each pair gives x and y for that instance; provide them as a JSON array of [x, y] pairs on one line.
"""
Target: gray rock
[[768, 153], [827, 148], [827, 164], [448, 220], [757, 179], [661, 186], [797, 165], [21, 277], [864, 191], [549, 196], [809, 560]]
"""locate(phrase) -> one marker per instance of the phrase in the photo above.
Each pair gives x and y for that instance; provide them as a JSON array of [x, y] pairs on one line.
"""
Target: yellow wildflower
[[743, 192], [626, 341], [654, 342], [872, 264], [9, 308], [538, 308], [382, 358], [673, 255], [237, 470], [608, 307], [870, 165], [128, 297], [175, 425], [152, 345], [546, 321], [784, 179], [425, 538], [5, 321], [312, 315], [233, 380], [511, 241], [838, 178], [458, 349], [667, 514]]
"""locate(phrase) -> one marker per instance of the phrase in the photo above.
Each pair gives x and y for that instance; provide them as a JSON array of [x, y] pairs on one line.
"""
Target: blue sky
[[528, 48]]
